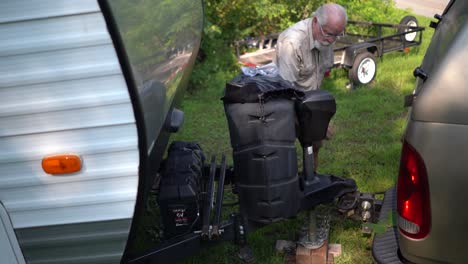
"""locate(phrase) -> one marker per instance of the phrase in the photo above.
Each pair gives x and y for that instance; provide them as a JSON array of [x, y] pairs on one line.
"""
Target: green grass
[[366, 147]]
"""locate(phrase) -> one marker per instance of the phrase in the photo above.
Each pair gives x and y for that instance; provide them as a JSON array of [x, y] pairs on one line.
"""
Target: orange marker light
[[61, 164]]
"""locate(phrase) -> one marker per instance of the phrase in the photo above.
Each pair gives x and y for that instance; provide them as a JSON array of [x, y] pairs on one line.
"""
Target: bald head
[[333, 16]]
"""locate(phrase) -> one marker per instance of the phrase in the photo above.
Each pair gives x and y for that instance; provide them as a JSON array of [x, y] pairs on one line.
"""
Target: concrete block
[[284, 245], [334, 249]]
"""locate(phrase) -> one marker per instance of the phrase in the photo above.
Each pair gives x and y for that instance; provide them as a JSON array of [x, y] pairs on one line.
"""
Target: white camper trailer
[[87, 88]]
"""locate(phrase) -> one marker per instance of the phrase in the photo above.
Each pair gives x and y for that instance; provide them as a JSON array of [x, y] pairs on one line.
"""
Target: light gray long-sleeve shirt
[[298, 60]]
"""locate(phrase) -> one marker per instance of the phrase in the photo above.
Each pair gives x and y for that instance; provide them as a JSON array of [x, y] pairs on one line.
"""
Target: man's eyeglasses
[[330, 35]]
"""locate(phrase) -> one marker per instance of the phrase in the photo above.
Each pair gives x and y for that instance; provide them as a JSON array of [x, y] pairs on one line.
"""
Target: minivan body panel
[[446, 162], [443, 97], [438, 129], [448, 29]]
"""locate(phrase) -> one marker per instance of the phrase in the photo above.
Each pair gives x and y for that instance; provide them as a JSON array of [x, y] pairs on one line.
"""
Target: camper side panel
[[62, 91]]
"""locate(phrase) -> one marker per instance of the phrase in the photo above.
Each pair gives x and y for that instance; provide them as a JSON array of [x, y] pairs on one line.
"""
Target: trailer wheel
[[364, 68], [408, 21]]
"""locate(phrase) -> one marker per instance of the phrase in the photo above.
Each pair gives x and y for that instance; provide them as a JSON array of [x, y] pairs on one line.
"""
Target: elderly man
[[305, 50]]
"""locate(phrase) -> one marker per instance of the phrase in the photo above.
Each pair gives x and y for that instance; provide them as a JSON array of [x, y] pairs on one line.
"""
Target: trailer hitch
[[208, 229], [364, 207]]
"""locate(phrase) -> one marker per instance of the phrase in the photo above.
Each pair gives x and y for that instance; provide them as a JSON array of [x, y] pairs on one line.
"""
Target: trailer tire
[[364, 69], [408, 21]]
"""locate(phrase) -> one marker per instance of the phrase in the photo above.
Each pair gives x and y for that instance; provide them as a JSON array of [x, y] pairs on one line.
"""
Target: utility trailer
[[356, 51], [364, 41]]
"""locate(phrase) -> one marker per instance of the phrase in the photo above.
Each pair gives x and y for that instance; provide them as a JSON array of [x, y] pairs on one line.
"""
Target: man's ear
[[314, 20]]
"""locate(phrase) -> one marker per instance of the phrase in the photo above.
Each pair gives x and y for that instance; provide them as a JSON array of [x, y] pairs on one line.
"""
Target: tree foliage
[[240, 18], [383, 11]]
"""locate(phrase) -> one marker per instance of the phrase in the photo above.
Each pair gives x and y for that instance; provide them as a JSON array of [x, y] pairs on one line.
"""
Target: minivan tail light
[[413, 204]]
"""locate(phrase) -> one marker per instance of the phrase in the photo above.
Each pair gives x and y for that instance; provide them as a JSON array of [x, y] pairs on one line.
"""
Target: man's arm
[[288, 61]]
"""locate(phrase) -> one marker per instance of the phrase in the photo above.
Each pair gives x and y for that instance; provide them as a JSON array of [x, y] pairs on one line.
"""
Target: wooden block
[[290, 259], [312, 256], [334, 249], [303, 255], [330, 259], [319, 255]]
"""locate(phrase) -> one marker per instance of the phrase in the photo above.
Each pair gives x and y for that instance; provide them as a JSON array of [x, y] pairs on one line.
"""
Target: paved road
[[423, 7]]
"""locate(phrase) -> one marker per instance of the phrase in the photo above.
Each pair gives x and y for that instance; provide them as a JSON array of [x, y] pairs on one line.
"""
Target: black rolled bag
[[261, 119], [265, 115]]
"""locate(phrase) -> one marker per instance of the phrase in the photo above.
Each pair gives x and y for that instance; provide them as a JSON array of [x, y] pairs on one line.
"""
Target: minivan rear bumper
[[385, 245]]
